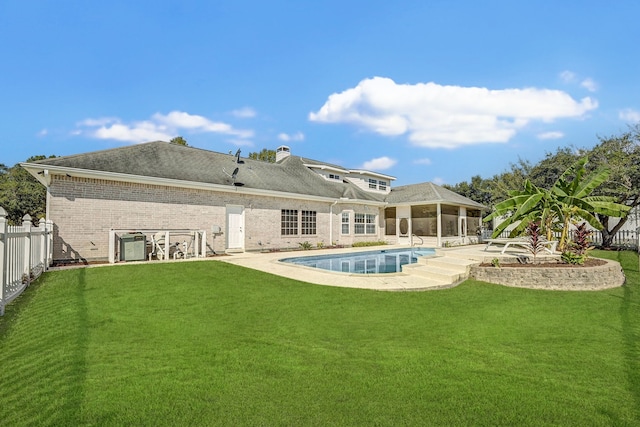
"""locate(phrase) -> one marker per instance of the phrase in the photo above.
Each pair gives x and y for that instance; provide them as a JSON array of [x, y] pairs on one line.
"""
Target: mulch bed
[[590, 262]]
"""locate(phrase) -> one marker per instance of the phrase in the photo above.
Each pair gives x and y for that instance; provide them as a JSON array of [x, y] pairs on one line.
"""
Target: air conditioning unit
[[133, 247]]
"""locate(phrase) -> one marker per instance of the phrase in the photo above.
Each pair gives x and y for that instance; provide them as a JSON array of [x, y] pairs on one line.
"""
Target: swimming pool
[[371, 262]]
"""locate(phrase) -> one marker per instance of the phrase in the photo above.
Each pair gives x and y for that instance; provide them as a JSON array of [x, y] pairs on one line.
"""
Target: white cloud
[[424, 161], [551, 135], [438, 181], [43, 132], [571, 77], [446, 116], [298, 136], [244, 113], [98, 122], [159, 127], [629, 115], [589, 84], [140, 132], [379, 164], [568, 76]]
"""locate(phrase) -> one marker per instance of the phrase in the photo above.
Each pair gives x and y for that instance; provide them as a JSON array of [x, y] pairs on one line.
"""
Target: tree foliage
[[620, 154], [264, 155], [21, 193], [178, 140]]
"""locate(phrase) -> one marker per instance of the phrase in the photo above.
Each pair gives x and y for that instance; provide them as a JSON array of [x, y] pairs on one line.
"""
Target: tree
[[491, 191], [569, 198], [548, 170], [621, 154], [264, 155], [178, 140], [21, 193], [502, 184], [478, 190]]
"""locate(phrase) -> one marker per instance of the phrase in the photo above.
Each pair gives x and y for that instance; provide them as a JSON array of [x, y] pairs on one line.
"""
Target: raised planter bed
[[595, 275]]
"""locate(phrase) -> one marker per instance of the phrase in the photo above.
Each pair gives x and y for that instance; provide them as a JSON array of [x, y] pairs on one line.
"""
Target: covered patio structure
[[432, 215]]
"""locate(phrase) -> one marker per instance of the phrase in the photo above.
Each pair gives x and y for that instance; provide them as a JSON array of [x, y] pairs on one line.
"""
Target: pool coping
[[269, 263]]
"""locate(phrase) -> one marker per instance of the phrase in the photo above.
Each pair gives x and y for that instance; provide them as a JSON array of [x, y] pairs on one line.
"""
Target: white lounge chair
[[550, 245]]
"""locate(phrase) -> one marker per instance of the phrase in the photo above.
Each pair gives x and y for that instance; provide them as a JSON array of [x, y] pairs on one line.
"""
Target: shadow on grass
[[44, 370], [631, 334]]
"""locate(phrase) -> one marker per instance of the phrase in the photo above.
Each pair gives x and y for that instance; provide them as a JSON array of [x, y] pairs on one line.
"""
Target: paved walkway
[[268, 262]]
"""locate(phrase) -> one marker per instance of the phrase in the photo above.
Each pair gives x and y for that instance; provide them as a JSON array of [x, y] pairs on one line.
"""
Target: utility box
[[133, 247]]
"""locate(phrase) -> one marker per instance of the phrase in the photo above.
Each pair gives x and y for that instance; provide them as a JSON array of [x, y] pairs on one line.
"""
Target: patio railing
[[25, 253]]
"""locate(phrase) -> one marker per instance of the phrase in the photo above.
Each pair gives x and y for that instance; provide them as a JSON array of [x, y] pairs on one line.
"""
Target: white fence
[[25, 253], [626, 239]]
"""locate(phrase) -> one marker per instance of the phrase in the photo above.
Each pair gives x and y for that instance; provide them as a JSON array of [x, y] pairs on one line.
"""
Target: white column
[[112, 246], [439, 225]]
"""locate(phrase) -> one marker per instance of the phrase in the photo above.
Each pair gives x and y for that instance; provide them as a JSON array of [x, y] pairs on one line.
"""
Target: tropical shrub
[[577, 251], [536, 242]]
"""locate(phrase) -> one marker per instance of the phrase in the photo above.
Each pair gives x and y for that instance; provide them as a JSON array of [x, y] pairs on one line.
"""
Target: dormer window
[[336, 177], [374, 184]]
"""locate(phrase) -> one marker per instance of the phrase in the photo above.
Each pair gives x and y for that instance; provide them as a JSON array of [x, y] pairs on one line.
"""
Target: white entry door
[[235, 227]]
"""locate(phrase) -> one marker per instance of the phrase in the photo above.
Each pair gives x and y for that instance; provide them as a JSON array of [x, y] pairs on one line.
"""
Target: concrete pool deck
[[405, 281]]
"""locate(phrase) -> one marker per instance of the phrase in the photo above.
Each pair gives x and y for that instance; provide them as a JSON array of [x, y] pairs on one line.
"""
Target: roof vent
[[282, 153]]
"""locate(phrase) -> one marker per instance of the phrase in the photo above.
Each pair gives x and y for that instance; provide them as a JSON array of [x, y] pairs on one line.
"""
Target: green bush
[[364, 244], [305, 246], [570, 257]]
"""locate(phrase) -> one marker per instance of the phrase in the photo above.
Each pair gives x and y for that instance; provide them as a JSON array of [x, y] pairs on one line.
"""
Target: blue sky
[[420, 90]]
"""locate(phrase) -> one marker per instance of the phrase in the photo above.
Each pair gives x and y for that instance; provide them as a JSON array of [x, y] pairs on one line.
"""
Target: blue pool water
[[371, 262]]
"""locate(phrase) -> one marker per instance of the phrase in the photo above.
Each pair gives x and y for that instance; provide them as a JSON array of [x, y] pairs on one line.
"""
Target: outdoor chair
[[158, 247]]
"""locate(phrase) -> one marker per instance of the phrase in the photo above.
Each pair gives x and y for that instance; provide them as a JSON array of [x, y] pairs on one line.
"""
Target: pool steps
[[441, 269]]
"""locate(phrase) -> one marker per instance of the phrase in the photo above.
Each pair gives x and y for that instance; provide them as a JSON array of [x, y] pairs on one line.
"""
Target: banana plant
[[568, 200]]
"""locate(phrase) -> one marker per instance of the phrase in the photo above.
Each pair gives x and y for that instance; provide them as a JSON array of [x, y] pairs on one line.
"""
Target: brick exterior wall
[[84, 210]]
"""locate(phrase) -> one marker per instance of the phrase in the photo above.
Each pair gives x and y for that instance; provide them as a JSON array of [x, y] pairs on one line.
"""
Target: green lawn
[[207, 343]]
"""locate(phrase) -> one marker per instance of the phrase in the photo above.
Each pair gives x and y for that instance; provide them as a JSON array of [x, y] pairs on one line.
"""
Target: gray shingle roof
[[170, 161], [428, 192]]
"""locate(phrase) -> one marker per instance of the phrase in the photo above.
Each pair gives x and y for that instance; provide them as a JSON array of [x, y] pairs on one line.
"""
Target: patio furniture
[[159, 247], [550, 245]]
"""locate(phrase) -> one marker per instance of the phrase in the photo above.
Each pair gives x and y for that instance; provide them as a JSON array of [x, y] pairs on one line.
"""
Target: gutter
[[43, 174]]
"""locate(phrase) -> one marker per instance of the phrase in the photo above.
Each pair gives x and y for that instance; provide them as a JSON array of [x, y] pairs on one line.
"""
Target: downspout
[[47, 209], [331, 222]]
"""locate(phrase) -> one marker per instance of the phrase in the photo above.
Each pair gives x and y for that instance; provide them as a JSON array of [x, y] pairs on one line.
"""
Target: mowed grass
[[207, 343]]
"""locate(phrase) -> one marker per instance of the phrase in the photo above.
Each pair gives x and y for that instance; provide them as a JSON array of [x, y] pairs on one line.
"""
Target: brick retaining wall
[[609, 275]]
